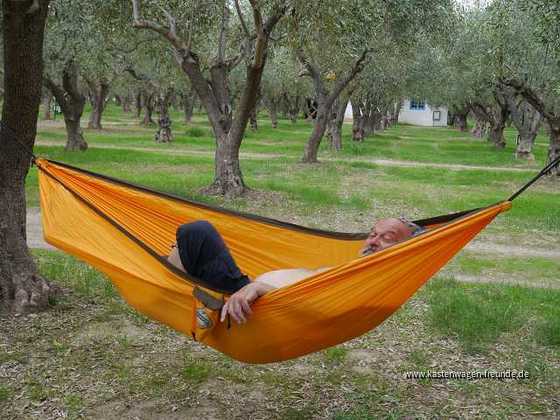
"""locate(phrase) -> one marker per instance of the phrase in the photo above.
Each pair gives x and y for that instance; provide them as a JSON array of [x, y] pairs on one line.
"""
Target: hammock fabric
[[123, 230]]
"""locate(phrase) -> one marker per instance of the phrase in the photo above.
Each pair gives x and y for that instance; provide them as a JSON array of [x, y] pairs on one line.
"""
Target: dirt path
[[381, 162], [35, 230]]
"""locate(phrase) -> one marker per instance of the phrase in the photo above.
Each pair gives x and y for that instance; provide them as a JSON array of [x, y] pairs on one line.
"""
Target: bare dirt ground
[[99, 360]]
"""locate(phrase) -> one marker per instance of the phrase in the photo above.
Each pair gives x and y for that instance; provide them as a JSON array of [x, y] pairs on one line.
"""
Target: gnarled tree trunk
[[126, 102], [335, 132], [188, 105], [554, 144], [272, 106], [498, 113], [164, 134], [139, 103], [47, 103], [460, 115], [22, 289], [312, 145], [148, 107], [527, 122], [74, 134], [72, 102], [547, 110], [357, 122], [480, 120], [253, 120], [99, 90]]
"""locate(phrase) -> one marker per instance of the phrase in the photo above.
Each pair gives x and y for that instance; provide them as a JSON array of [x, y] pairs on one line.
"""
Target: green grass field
[[494, 307]]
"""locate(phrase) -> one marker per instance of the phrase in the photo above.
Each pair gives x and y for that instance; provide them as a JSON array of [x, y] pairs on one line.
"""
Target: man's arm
[[239, 304]]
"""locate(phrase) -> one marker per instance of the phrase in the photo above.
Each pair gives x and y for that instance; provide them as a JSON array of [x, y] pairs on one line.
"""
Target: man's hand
[[239, 304]]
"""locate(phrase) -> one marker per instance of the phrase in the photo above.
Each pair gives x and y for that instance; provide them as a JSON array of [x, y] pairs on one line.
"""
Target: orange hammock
[[123, 230]]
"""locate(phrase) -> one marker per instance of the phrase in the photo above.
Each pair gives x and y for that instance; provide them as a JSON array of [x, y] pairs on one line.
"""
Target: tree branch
[[242, 20], [169, 33], [273, 19], [312, 71], [222, 35], [356, 68], [532, 97], [56, 90], [257, 17], [70, 80]]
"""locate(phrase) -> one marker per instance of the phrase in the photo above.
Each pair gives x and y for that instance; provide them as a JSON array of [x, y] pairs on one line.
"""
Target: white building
[[418, 112]]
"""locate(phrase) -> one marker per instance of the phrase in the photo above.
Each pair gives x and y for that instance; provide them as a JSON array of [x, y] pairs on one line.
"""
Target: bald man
[[201, 252]]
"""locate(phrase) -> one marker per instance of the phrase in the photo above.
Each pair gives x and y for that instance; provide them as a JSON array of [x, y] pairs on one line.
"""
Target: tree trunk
[[22, 289], [47, 103], [253, 119], [228, 178], [499, 114], [479, 129], [395, 112], [164, 134], [118, 100], [337, 122], [357, 122], [75, 139], [460, 122], [148, 106], [273, 111], [126, 101], [139, 103], [496, 134], [379, 120], [319, 127], [528, 129], [72, 102], [368, 123], [481, 120], [554, 145], [460, 116], [526, 120], [188, 106], [99, 93]]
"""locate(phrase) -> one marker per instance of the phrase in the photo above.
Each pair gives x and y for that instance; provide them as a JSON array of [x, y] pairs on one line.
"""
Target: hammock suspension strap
[[548, 168]]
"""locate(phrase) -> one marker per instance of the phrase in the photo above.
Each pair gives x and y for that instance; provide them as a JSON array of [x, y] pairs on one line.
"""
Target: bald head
[[385, 233]]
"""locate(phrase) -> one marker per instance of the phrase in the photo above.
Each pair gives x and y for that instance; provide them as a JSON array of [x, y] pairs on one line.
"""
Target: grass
[[477, 315], [92, 356]]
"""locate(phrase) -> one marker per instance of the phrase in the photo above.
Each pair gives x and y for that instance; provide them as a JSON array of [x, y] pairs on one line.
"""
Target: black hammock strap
[[548, 168]]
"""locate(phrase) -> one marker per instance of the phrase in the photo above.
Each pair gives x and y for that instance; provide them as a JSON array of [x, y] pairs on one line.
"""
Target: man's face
[[385, 233]]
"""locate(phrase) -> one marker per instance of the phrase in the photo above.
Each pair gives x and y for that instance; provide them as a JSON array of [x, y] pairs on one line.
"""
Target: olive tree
[[334, 41], [530, 68], [186, 26], [22, 289]]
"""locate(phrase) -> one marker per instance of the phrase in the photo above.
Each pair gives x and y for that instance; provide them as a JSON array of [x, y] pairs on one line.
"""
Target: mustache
[[368, 250]]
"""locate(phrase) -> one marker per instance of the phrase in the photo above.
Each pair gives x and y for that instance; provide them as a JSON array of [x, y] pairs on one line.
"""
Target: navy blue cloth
[[205, 255]]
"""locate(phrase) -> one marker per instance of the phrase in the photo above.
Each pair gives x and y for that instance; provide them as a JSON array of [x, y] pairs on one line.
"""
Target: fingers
[[246, 307], [224, 312], [237, 312], [238, 308]]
